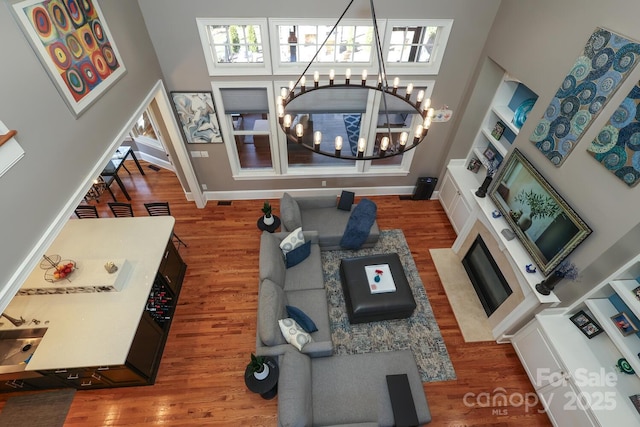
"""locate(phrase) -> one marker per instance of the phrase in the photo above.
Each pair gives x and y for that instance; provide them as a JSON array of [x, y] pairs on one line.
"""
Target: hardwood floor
[[200, 381]]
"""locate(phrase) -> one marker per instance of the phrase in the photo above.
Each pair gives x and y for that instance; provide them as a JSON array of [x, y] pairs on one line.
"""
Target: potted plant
[[565, 270], [266, 210], [540, 206], [258, 367]]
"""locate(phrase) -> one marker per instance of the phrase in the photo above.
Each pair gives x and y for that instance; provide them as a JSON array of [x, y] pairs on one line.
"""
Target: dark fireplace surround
[[487, 279]]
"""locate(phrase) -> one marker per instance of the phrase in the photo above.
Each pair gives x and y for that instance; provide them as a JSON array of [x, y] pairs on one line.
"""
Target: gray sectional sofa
[[322, 215], [315, 389], [346, 390], [301, 286]]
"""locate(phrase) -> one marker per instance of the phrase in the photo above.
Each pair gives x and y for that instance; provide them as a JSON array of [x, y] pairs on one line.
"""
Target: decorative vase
[[268, 220], [482, 191], [265, 370], [546, 286], [524, 222]]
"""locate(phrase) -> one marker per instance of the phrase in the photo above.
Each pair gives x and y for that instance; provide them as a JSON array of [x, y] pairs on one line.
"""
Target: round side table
[[270, 228], [268, 387]]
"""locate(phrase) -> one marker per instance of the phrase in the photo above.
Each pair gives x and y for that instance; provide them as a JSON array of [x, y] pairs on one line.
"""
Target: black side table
[[268, 387], [270, 228]]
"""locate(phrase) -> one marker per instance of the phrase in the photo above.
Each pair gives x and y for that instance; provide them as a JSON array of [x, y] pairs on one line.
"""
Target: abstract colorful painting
[[617, 146], [607, 60], [74, 45], [197, 116]]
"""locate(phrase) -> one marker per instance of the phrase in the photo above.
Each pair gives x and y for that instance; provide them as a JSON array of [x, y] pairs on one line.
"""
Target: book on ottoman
[[380, 279]]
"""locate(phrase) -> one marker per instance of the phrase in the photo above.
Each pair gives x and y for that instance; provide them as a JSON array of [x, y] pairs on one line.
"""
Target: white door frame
[[174, 138]]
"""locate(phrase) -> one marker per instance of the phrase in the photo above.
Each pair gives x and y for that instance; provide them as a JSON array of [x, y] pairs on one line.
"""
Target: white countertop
[[95, 329]]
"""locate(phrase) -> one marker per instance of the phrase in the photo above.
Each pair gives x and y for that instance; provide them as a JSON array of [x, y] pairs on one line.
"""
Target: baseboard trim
[[311, 192]]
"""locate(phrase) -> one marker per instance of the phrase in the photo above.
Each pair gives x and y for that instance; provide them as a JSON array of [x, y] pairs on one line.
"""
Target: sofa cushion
[[293, 333], [298, 255], [368, 396], [301, 318], [306, 275], [362, 218], [314, 303], [271, 308], [294, 390], [292, 241], [271, 262], [290, 212]]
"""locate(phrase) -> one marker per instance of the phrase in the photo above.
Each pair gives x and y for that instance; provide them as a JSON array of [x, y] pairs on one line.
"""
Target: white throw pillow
[[294, 334], [292, 241]]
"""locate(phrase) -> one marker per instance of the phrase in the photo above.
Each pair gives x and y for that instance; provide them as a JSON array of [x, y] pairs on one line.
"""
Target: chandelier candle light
[[389, 146]]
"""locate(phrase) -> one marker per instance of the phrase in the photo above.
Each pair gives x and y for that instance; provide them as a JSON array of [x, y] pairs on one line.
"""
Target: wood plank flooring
[[200, 381]]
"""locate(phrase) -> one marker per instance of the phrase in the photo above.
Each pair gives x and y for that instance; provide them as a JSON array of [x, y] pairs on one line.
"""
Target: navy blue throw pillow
[[301, 318], [298, 255]]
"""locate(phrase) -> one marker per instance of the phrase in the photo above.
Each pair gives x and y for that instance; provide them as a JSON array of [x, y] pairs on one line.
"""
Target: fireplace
[[487, 279]]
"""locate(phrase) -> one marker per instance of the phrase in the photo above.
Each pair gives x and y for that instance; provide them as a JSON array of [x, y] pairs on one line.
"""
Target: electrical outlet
[[324, 183], [204, 153], [204, 186], [195, 154]]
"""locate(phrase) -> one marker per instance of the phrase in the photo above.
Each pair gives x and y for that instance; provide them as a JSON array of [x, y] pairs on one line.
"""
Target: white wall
[[60, 150]]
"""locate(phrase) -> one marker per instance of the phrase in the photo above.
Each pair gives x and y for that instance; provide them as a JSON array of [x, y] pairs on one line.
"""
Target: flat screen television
[[547, 226]]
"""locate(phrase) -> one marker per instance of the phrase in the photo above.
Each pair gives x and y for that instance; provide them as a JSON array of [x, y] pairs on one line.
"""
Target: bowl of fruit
[[57, 269]]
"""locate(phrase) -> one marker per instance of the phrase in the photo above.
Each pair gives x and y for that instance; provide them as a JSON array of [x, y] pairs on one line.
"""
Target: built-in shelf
[[629, 346], [505, 114]]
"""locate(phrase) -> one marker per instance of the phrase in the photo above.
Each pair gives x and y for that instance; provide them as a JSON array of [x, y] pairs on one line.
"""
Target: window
[[296, 43], [143, 131], [416, 44], [247, 112], [410, 46], [235, 46]]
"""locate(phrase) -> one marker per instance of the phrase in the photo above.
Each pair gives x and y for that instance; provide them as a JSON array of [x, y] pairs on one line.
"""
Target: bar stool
[[162, 209], [121, 210], [86, 211]]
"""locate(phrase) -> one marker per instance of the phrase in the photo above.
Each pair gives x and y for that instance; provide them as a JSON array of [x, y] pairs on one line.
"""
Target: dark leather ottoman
[[362, 305]]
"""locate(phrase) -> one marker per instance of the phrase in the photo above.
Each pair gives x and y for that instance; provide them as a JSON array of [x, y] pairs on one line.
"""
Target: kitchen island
[[95, 337]]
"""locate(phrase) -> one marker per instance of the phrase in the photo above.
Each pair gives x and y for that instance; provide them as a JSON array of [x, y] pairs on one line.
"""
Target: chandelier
[[388, 145]]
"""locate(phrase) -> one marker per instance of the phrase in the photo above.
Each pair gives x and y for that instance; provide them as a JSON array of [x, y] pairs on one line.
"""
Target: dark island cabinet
[[145, 353]]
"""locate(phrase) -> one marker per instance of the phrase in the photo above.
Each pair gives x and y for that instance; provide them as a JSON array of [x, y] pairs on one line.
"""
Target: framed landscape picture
[[73, 42], [197, 117], [548, 228]]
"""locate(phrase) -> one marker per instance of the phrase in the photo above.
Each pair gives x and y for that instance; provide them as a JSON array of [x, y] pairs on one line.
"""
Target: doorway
[[176, 157]]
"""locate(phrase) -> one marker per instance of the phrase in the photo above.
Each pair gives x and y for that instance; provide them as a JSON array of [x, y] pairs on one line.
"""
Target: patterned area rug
[[420, 332], [352, 125]]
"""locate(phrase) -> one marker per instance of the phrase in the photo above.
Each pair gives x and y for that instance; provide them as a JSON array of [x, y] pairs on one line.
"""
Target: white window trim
[[280, 68], [407, 158], [226, 128], [439, 47], [280, 168], [234, 69]]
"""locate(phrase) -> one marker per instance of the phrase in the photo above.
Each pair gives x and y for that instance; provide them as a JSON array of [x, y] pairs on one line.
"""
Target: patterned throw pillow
[[292, 241], [294, 334]]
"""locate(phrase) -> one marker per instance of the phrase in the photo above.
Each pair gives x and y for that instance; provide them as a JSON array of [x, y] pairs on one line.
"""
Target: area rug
[[352, 126], [466, 306], [45, 409], [420, 332]]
